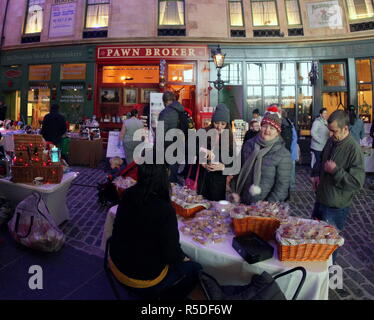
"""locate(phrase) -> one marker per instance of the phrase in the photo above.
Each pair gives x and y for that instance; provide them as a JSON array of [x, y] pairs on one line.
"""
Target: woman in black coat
[[212, 180], [145, 253]]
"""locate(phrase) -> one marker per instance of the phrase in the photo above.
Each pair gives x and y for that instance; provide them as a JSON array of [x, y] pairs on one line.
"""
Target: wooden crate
[[26, 174]]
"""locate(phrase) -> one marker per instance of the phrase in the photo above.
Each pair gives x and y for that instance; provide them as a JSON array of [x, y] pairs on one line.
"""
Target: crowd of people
[[151, 263]]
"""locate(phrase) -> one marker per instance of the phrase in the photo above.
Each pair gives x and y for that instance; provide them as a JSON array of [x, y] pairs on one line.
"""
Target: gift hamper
[[33, 159], [306, 240], [262, 218], [187, 202]]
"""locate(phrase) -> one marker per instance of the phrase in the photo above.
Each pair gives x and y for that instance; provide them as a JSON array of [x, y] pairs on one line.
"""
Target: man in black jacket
[[53, 126], [170, 116]]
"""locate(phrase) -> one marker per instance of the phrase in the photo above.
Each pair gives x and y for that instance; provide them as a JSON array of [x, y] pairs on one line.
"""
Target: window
[[232, 73], [34, 16], [171, 13], [286, 84], [264, 13], [97, 15], [236, 13], [360, 9], [365, 84], [293, 12]]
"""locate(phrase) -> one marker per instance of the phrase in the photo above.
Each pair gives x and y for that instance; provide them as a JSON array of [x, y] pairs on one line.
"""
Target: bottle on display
[[55, 155]]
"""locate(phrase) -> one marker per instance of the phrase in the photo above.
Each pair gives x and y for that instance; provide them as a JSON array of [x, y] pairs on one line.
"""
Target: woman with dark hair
[[145, 253], [212, 180], [129, 127], [356, 125]]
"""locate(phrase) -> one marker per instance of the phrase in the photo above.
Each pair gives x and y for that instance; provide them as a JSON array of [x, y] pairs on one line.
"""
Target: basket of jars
[[262, 218], [307, 240]]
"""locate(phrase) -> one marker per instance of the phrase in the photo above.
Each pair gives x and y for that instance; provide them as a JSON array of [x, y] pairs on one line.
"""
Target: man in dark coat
[[3, 108], [53, 126]]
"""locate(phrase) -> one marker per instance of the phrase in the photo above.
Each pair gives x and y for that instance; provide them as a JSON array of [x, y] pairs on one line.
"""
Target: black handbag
[[252, 248]]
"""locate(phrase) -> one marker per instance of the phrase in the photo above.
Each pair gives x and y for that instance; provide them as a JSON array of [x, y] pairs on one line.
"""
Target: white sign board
[[62, 20], [325, 14], [156, 106], [113, 150]]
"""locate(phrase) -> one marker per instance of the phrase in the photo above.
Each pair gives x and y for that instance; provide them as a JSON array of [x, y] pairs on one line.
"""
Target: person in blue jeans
[[341, 174]]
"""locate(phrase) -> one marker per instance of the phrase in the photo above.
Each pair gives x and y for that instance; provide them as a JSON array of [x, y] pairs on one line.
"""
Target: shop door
[[13, 101], [38, 105]]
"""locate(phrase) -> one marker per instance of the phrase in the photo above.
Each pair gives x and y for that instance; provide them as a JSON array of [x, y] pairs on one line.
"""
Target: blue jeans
[[333, 216], [180, 280]]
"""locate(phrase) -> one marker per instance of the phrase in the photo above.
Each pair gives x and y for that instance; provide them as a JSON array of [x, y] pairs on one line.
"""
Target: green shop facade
[[302, 78], [31, 80]]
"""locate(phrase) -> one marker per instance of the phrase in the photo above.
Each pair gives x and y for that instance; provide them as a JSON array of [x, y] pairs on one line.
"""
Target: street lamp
[[219, 60]]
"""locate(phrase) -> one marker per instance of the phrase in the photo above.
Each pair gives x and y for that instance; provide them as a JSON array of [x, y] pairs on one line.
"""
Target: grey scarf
[[254, 161]]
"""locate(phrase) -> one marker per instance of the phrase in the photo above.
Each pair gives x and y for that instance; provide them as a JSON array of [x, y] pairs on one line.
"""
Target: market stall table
[[54, 195], [222, 262], [85, 152]]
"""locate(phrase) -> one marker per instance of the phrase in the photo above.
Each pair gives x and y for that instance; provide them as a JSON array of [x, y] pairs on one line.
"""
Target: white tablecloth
[[228, 267], [54, 195]]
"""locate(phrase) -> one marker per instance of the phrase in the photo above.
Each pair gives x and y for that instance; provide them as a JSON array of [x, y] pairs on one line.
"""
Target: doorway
[[13, 101]]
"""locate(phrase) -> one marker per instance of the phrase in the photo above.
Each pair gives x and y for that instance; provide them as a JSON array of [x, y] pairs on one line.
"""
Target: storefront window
[[334, 101], [285, 84], [271, 73], [181, 73], [360, 9], [72, 101], [365, 89], [40, 72], [254, 75], [288, 73], [304, 109], [38, 104], [97, 15], [236, 13], [232, 73], [171, 13], [131, 74], [288, 99], [254, 98], [34, 16], [264, 13], [303, 69], [293, 12], [74, 71], [333, 75]]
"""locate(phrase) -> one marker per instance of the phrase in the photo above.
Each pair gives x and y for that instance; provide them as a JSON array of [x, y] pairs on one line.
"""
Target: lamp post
[[219, 60]]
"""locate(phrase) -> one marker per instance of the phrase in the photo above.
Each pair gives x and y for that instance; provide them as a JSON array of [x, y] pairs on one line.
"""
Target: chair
[[169, 293], [262, 287]]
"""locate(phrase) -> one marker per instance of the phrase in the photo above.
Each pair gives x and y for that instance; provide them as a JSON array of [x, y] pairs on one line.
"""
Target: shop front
[[127, 75], [33, 79], [302, 78]]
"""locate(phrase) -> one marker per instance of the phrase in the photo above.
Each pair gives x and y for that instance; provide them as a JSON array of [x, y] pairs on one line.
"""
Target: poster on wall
[[325, 14], [62, 20], [114, 149]]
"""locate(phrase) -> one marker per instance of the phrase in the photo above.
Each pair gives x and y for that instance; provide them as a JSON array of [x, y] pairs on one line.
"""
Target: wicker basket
[[51, 174], [264, 227], [306, 252], [187, 213]]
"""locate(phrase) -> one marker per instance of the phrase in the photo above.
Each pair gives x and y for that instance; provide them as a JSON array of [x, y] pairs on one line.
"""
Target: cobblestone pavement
[[356, 257]]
